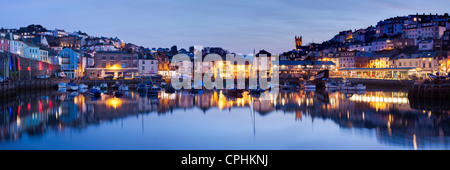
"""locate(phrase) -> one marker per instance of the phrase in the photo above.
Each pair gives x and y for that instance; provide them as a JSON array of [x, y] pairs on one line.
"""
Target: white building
[[355, 47], [60, 33], [425, 45], [366, 47], [382, 44], [43, 54], [31, 51], [16, 47], [108, 47], [347, 60], [148, 67], [434, 30]]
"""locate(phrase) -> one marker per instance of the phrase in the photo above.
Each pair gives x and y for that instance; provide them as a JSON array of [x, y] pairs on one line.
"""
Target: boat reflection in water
[[389, 116]]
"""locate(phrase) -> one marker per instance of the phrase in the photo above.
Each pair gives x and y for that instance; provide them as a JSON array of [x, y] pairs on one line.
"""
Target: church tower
[[298, 42]]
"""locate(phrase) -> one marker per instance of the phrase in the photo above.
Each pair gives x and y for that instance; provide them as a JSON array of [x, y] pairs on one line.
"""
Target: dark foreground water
[[211, 120]]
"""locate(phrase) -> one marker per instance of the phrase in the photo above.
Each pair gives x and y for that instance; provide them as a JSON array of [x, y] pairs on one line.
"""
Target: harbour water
[[294, 120]]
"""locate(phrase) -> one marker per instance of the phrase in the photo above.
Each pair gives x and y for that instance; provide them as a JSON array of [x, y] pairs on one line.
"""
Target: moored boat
[[347, 85], [332, 85], [82, 86], [123, 87], [142, 88], [154, 90], [308, 85], [95, 92], [103, 86], [62, 85], [72, 86], [96, 88]]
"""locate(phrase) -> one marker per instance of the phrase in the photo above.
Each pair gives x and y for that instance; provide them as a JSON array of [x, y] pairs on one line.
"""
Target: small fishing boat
[[82, 90], [72, 87], [347, 85], [286, 86], [332, 85], [142, 88], [154, 90], [103, 86], [119, 93], [308, 85], [96, 88], [82, 86], [96, 93], [62, 85], [123, 87]]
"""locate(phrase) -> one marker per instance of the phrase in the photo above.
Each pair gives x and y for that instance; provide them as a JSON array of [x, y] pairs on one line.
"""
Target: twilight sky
[[236, 25]]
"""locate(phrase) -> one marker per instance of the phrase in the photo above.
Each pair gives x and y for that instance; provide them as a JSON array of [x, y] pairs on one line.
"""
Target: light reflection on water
[[211, 120]]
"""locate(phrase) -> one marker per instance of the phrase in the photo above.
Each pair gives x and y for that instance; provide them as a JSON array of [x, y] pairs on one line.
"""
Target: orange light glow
[[114, 102], [115, 67]]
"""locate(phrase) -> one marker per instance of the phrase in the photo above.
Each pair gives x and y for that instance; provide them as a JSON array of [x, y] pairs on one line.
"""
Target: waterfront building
[[380, 60], [17, 47], [114, 63], [31, 51], [148, 66], [425, 62], [362, 60], [347, 59], [295, 69], [43, 56], [4, 45], [69, 59]]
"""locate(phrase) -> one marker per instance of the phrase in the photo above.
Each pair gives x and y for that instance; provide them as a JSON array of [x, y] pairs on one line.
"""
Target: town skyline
[[239, 27]]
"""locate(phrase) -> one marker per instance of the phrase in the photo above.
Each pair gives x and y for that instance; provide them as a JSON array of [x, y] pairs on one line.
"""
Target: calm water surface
[[294, 120]]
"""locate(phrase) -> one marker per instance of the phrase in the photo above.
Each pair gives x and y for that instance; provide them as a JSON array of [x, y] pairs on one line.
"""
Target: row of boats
[[153, 89], [335, 85]]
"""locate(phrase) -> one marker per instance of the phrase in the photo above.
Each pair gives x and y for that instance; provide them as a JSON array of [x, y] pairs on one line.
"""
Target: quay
[[10, 88], [430, 91]]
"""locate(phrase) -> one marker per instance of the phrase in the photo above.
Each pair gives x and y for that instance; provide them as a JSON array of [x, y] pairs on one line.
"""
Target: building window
[[103, 57], [143, 67], [111, 58], [143, 61]]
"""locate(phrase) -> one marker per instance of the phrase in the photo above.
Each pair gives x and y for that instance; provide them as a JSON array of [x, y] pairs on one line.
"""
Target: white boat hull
[[82, 86], [62, 85], [73, 88], [310, 87]]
